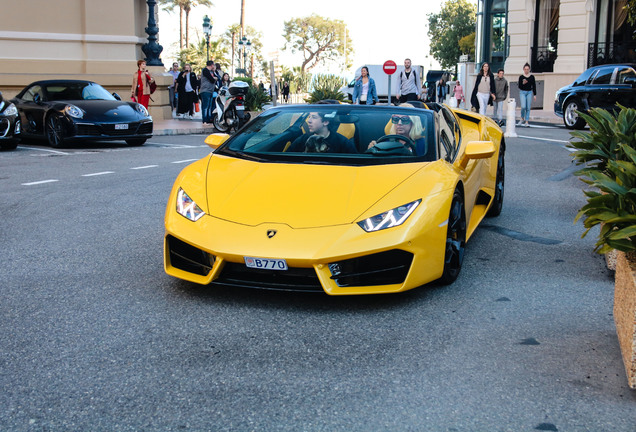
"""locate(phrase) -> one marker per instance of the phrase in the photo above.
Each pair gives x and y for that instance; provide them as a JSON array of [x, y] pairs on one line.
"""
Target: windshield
[[337, 134], [77, 91]]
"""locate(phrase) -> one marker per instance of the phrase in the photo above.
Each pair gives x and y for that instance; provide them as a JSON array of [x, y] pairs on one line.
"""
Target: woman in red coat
[[141, 84]]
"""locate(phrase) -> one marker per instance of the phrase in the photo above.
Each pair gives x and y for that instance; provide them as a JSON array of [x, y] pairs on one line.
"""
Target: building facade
[[75, 39], [558, 38]]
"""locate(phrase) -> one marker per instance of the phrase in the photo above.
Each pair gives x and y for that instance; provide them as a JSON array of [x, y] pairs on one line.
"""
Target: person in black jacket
[[484, 90], [527, 89], [186, 87]]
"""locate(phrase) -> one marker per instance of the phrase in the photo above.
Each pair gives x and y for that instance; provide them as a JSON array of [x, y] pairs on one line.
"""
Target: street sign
[[389, 67]]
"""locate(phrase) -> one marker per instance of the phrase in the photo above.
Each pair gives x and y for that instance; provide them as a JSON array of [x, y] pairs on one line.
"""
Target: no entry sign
[[389, 67]]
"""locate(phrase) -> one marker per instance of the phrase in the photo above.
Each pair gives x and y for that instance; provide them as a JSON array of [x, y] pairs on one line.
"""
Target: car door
[[600, 94], [625, 89], [31, 109]]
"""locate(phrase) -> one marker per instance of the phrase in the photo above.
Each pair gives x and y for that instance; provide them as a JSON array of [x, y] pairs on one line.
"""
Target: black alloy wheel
[[54, 131], [571, 118], [231, 118], [455, 240], [497, 205]]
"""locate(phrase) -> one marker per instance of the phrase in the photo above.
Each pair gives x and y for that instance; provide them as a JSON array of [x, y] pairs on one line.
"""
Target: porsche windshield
[[77, 91], [338, 134]]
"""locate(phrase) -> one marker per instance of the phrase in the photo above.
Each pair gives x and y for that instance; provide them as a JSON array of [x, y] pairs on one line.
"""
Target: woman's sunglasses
[[404, 119]]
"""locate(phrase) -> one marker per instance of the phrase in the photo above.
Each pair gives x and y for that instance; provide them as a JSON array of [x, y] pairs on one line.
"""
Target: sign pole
[[389, 101]]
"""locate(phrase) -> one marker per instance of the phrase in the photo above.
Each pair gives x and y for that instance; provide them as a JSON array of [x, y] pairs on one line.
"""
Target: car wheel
[[497, 205], [136, 141], [54, 131], [571, 118], [455, 240], [231, 117]]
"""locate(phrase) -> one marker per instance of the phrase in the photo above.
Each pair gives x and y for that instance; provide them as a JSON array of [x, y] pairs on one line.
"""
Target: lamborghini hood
[[299, 195]]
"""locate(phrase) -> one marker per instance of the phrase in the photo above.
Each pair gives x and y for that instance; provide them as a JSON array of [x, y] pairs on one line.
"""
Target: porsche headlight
[[74, 111], [142, 110], [389, 219], [188, 208], [11, 110]]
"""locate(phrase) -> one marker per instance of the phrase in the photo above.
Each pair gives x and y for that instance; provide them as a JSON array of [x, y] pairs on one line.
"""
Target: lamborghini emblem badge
[[271, 233]]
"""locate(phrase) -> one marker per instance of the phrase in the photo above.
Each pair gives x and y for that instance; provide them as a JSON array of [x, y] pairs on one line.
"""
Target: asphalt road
[[94, 336]]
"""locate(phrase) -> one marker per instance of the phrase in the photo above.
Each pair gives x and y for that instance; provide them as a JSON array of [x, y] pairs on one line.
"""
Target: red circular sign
[[389, 67]]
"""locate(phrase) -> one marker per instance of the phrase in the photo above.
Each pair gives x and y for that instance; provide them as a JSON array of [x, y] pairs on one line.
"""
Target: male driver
[[409, 84], [322, 136], [206, 91], [501, 94]]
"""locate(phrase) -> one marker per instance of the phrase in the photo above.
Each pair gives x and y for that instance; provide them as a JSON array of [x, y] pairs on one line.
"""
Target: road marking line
[[45, 150], [543, 139], [98, 173], [184, 161], [39, 182], [170, 145], [144, 167]]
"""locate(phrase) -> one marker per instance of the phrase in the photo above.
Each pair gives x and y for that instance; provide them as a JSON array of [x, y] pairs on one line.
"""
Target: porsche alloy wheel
[[455, 240], [54, 132], [571, 118], [497, 204]]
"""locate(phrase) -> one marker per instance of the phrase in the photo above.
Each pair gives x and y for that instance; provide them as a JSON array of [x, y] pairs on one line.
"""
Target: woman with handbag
[[186, 87], [141, 84]]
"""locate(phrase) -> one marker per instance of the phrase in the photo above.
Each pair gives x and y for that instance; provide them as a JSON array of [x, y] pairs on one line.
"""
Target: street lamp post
[[245, 45], [207, 30]]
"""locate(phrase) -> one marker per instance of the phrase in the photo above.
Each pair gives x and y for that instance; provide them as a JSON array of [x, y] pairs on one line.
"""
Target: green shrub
[[326, 87], [256, 98], [609, 154]]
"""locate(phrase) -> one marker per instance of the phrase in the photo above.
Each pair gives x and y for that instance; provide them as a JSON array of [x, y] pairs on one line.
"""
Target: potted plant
[[609, 154]]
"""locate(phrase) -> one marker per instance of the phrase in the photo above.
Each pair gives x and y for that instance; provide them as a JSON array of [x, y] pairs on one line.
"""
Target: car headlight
[[74, 111], [187, 208], [389, 219], [11, 110], [142, 110]]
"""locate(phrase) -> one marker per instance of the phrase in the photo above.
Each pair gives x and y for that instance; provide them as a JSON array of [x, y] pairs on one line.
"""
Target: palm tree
[[185, 6]]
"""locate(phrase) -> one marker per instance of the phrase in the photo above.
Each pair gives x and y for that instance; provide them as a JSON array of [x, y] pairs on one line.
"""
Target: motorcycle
[[229, 107]]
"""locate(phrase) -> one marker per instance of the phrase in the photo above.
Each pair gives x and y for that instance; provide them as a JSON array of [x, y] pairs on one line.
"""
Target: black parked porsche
[[9, 125], [67, 110]]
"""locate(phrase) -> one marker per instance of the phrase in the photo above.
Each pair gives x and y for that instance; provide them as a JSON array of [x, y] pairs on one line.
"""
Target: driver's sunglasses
[[405, 119]]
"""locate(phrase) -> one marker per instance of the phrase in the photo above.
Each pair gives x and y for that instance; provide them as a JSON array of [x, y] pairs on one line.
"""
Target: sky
[[380, 30]]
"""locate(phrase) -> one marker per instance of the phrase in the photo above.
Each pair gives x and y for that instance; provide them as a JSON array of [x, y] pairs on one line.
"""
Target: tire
[[136, 142], [221, 127], [497, 205], [231, 117], [570, 118], [455, 240], [54, 131]]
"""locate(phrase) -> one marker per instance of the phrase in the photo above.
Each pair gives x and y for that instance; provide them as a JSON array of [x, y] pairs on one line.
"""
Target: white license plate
[[121, 126], [265, 263], [240, 107]]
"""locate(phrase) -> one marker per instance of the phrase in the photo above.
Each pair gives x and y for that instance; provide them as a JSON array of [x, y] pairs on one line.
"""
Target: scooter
[[229, 107]]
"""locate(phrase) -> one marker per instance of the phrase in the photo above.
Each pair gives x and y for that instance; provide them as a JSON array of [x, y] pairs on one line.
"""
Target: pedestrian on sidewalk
[[206, 91], [408, 84], [186, 87], [441, 91], [527, 94], [501, 94], [484, 91], [459, 93], [364, 91], [172, 94], [141, 84]]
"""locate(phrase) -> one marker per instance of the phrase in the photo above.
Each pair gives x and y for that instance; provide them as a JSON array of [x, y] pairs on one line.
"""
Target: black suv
[[598, 87]]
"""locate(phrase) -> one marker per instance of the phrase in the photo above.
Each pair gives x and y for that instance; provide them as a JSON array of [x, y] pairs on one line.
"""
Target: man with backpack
[[409, 84]]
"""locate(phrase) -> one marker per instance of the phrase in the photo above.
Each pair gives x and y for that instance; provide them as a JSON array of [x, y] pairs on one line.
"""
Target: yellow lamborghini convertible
[[345, 199]]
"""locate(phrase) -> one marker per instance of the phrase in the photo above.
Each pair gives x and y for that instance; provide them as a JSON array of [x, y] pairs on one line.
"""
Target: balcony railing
[[543, 58], [600, 53]]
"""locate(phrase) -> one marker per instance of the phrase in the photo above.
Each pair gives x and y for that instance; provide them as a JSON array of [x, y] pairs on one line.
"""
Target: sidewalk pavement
[[194, 126]]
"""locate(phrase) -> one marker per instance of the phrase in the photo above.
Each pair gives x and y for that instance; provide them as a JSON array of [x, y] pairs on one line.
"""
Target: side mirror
[[631, 81], [37, 98], [116, 96], [216, 139], [477, 150]]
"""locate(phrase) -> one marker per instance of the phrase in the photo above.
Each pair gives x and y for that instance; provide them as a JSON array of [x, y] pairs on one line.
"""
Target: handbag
[[152, 84], [197, 107]]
